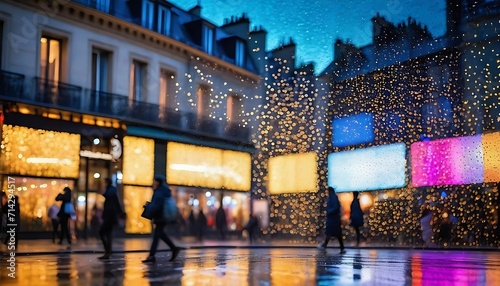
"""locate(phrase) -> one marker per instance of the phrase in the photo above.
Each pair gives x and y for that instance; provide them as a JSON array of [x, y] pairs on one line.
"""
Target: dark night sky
[[315, 24]]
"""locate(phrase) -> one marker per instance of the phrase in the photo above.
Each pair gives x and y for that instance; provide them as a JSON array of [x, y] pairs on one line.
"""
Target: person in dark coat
[[161, 192], [202, 225], [356, 216], [333, 223], [111, 212], [192, 223], [221, 222], [251, 226], [65, 198]]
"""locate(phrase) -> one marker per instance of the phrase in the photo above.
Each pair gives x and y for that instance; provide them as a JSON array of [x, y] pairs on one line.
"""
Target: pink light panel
[[450, 161]]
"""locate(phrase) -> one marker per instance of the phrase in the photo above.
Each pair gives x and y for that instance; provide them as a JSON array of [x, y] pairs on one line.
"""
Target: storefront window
[[196, 166], [138, 161], [36, 152], [191, 201], [95, 203], [134, 199], [35, 198]]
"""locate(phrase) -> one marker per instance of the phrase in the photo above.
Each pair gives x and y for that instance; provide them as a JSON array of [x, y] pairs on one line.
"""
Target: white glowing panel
[[368, 169], [294, 173]]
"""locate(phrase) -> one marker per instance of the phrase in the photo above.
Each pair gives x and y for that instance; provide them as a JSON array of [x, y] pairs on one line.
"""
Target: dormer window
[[239, 58], [235, 50], [148, 12], [208, 39], [164, 20], [102, 5]]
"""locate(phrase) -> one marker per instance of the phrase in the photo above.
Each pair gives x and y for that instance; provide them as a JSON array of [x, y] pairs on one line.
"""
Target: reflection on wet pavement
[[241, 267]]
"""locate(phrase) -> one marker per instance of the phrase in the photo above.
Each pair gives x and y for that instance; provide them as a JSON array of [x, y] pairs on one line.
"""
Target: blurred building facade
[[127, 90], [433, 102]]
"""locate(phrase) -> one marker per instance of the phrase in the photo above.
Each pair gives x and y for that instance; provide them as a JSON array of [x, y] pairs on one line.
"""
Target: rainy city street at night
[[261, 142], [263, 266]]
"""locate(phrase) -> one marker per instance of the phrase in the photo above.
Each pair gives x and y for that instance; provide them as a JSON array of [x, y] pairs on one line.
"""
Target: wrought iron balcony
[[11, 84], [53, 94], [57, 93]]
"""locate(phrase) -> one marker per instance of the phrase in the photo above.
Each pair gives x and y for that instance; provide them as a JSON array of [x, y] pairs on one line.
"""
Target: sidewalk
[[142, 244], [134, 244]]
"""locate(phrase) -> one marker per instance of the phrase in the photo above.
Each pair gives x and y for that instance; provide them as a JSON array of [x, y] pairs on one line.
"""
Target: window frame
[[96, 84], [138, 90], [239, 53], [208, 39], [44, 72], [148, 15], [164, 25]]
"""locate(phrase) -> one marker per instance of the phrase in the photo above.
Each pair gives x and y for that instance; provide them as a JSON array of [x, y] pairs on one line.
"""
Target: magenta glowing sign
[[450, 161]]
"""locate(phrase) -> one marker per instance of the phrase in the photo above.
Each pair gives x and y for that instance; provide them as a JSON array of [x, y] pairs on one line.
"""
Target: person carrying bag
[[156, 210]]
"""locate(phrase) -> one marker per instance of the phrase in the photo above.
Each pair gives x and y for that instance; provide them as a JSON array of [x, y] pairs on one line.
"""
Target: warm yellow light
[[303, 272], [36, 195], [191, 165], [491, 156], [294, 173], [54, 116], [138, 161], [237, 170], [36, 152], [24, 110], [134, 199]]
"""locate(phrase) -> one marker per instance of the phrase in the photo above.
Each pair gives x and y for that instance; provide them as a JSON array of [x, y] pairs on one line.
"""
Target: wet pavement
[[244, 265]]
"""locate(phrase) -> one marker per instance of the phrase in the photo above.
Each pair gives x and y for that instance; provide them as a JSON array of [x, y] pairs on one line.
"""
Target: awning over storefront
[[154, 133]]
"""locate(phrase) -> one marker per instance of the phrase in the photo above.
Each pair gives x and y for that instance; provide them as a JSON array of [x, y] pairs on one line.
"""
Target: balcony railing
[[73, 98], [11, 84], [57, 93]]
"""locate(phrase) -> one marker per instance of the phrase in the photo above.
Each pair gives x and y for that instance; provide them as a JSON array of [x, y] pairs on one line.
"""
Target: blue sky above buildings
[[314, 25]]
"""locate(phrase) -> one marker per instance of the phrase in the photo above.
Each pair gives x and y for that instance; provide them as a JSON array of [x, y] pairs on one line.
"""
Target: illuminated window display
[[368, 169], [36, 152], [191, 165], [134, 199], [138, 161], [450, 161], [236, 205], [491, 153], [36, 195], [95, 203], [293, 173], [354, 129]]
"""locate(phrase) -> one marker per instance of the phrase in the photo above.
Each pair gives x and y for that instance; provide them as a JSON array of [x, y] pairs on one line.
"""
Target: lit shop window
[[138, 161], [35, 197], [368, 169], [134, 199], [36, 152], [294, 173], [491, 153], [196, 166]]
